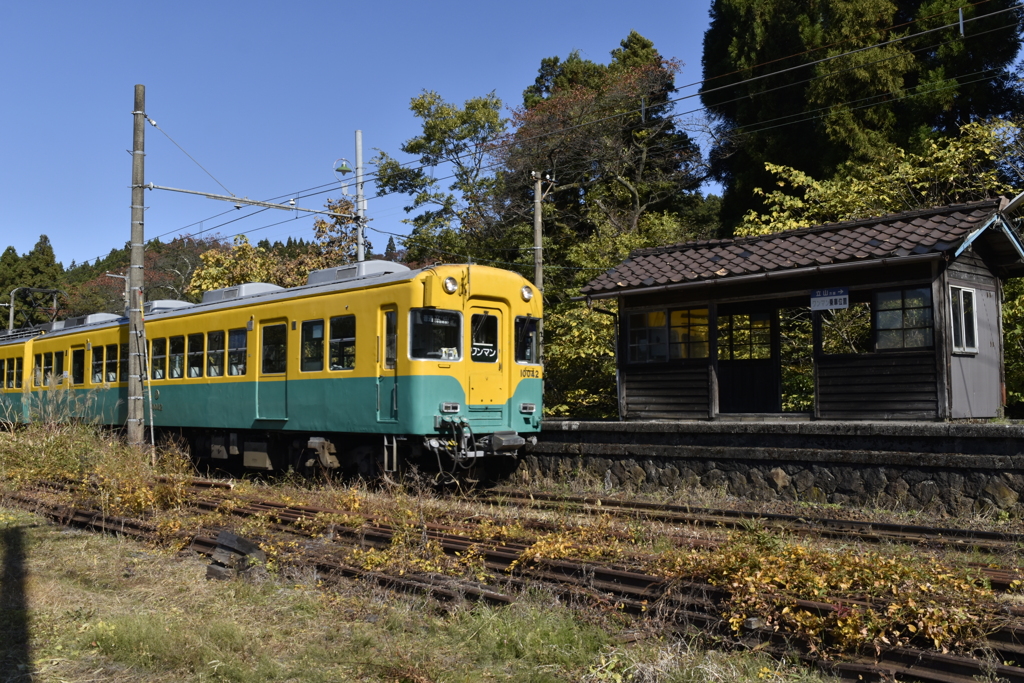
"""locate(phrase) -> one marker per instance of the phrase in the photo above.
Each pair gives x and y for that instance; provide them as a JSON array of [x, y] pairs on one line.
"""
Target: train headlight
[[527, 293], [450, 285]]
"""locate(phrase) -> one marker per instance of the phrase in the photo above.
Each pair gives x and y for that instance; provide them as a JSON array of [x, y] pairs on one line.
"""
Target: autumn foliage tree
[[334, 243]]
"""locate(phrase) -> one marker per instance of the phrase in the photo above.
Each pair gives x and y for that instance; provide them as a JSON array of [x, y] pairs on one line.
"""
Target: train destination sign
[[829, 299]]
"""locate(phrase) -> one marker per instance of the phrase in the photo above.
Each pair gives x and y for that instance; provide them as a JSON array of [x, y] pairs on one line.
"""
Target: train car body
[[365, 365]]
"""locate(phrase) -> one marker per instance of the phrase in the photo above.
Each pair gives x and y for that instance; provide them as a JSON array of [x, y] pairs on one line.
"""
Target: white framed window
[[965, 320]]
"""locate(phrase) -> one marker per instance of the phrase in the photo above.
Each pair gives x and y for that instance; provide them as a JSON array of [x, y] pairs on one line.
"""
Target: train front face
[[474, 347]]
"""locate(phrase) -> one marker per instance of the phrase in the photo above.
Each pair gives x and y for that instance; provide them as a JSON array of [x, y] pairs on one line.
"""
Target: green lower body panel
[[408, 405]]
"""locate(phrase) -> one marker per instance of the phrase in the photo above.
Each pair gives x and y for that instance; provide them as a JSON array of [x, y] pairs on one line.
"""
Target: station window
[[484, 338], [312, 346], [58, 366], [343, 342], [238, 342], [903, 319], [97, 365], [159, 358], [37, 370], [111, 362], [648, 337], [436, 334], [659, 336], [215, 354], [78, 366], [195, 355], [688, 333], [965, 320], [176, 357], [745, 336], [527, 340], [122, 367], [275, 348]]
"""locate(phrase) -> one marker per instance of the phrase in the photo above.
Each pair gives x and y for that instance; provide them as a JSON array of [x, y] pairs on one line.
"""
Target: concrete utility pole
[[538, 233], [136, 332], [538, 246], [360, 199]]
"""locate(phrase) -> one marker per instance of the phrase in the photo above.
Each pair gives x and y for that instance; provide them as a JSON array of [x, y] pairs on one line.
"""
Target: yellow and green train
[[367, 366]]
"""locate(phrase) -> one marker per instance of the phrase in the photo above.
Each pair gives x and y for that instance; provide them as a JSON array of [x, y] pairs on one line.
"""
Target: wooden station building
[[900, 318]]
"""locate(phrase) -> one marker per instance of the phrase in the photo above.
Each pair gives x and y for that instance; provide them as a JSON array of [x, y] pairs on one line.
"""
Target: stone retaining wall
[[954, 490]]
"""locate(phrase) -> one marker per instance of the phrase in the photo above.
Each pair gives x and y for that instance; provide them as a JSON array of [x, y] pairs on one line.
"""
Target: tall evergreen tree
[[774, 100]]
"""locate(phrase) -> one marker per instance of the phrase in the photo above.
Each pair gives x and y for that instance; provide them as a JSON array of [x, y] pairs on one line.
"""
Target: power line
[[317, 190]]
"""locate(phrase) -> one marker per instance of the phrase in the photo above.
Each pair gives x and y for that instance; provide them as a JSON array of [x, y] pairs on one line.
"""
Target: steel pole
[[136, 333], [360, 206]]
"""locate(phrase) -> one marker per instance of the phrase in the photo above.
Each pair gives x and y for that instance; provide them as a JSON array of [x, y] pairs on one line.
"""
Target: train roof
[[345, 278]]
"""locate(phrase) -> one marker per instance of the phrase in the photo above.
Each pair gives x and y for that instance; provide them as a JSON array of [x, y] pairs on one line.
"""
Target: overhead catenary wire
[[317, 190]]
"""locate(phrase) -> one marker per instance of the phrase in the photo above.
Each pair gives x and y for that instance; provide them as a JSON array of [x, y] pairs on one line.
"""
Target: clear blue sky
[[264, 95]]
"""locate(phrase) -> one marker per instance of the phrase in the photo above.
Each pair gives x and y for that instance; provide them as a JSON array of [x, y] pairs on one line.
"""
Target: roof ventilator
[[354, 271]]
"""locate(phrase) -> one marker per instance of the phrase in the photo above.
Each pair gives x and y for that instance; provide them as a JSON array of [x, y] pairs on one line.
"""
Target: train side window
[[275, 349], [436, 334], [215, 354], [37, 370], [48, 369], [10, 373], [111, 362], [238, 342], [3, 374], [312, 346], [177, 357], [58, 366], [78, 366], [343, 342], [122, 366], [97, 365], [484, 338], [159, 362], [195, 355], [527, 342], [19, 370]]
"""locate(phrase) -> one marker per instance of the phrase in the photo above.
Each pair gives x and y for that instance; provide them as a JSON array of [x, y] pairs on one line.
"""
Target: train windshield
[[527, 340], [436, 335]]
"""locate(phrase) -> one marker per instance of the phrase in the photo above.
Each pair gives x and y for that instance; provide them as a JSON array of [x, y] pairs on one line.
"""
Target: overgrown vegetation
[[880, 599], [168, 623]]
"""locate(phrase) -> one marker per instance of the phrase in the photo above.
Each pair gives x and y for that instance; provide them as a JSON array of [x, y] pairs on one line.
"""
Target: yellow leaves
[[947, 171]]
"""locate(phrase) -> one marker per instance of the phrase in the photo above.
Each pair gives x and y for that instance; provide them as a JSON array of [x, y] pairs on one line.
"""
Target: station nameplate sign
[[829, 299]]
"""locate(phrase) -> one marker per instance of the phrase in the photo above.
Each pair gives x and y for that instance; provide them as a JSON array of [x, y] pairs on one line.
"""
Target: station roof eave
[[892, 240]]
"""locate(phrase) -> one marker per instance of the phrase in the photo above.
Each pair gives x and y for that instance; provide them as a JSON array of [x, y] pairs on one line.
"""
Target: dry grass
[[105, 608]]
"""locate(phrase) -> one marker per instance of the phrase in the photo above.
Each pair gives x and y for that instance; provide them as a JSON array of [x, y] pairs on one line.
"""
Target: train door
[[387, 365], [272, 381], [487, 364]]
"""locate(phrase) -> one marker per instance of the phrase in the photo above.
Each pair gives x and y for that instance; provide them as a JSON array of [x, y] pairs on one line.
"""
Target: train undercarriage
[[456, 452]]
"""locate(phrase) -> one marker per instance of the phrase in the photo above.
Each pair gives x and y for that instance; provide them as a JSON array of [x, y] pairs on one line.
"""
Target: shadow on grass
[[15, 650]]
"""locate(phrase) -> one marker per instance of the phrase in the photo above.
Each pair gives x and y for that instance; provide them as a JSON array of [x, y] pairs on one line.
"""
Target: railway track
[[964, 539], [687, 604]]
